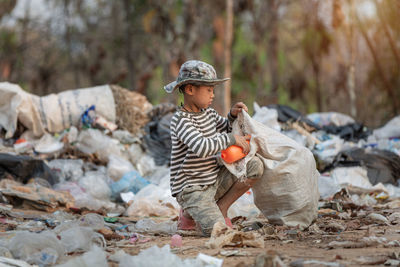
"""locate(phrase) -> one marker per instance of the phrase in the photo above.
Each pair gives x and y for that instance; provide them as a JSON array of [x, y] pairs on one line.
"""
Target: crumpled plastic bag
[[267, 116], [390, 129], [223, 236], [287, 193]]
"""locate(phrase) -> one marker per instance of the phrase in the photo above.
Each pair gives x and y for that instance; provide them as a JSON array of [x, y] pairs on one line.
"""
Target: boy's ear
[[189, 89]]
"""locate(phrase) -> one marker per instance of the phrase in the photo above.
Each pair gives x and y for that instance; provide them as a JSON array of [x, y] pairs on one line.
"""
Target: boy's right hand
[[241, 141]]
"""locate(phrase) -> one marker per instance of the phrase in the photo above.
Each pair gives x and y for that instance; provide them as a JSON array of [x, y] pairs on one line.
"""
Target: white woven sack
[[287, 193]]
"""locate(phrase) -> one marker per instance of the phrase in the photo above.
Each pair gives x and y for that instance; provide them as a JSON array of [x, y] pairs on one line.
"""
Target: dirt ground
[[335, 239], [291, 245]]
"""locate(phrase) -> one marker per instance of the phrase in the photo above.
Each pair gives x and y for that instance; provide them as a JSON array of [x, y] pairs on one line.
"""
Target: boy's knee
[[255, 168]]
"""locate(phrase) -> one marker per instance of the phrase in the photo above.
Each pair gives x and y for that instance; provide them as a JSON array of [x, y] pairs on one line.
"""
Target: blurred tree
[[316, 42], [6, 6], [308, 54]]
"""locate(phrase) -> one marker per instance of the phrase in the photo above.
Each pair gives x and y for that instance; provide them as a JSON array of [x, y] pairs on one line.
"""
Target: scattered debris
[[222, 236], [269, 259]]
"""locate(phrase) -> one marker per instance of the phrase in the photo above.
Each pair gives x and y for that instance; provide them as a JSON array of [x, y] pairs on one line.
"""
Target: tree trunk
[[128, 39], [318, 93], [381, 72], [387, 33], [23, 45], [71, 62], [228, 55], [272, 51], [351, 67]]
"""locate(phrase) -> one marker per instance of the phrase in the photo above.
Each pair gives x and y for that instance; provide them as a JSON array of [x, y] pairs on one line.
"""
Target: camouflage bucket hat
[[196, 72]]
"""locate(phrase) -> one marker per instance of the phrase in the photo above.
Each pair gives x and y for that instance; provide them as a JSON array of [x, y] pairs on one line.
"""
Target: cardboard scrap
[[223, 236], [34, 195]]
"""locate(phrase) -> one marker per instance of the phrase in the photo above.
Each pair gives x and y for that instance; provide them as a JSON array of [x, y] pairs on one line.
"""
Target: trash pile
[[84, 181]]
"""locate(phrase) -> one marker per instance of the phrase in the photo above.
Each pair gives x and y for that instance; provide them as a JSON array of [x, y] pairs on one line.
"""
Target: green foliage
[[206, 52], [8, 41], [156, 90]]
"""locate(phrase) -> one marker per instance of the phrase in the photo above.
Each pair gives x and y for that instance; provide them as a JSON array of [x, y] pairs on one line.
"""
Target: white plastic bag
[[153, 200], [94, 183], [79, 238], [117, 167], [326, 118], [67, 169], [287, 193], [267, 116], [34, 247], [95, 257], [391, 129], [94, 141]]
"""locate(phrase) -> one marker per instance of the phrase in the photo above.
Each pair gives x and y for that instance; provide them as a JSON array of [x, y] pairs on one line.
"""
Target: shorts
[[200, 201]]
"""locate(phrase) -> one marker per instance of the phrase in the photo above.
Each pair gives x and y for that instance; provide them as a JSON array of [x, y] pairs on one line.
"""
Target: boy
[[204, 189]]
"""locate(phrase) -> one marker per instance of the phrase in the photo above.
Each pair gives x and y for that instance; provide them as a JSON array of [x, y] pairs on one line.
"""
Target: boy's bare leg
[[235, 192]]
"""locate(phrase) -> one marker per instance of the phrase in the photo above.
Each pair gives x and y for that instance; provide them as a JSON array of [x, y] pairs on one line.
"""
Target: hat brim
[[169, 88]]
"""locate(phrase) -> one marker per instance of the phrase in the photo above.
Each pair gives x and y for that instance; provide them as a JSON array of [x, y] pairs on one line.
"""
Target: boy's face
[[203, 95]]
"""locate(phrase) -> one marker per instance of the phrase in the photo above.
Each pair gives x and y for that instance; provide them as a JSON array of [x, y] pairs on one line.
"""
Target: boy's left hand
[[238, 108]]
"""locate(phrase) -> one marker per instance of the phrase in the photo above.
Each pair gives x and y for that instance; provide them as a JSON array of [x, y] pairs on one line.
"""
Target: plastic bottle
[[176, 241], [233, 153]]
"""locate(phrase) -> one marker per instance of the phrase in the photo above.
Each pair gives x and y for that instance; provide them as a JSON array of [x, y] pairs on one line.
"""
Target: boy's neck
[[191, 107]]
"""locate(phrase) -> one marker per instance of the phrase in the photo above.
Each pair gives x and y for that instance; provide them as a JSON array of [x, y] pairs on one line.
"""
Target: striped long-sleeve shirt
[[196, 139]]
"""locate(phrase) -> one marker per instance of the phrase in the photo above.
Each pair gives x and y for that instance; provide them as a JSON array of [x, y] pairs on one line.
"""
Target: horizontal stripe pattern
[[196, 139]]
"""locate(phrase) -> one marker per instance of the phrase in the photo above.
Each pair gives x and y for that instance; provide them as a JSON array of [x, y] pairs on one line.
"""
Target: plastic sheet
[[24, 167], [95, 257], [155, 257], [92, 220], [356, 176], [350, 132], [117, 167], [83, 199], [130, 182], [382, 166], [48, 144], [327, 118], [125, 137], [327, 186], [146, 165], [94, 183], [94, 141], [266, 116], [43, 248], [78, 238], [159, 175], [67, 169], [158, 138], [286, 113], [153, 201], [327, 150], [391, 129], [5, 252], [299, 138], [148, 225]]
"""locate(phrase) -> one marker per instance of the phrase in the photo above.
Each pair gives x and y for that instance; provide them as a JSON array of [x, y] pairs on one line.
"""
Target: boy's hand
[[238, 108], [241, 141]]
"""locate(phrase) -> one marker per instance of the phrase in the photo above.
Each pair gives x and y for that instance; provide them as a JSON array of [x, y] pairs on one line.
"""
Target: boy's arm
[[224, 125], [200, 145]]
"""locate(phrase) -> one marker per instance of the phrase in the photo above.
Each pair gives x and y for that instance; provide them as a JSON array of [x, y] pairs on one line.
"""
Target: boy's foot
[[228, 222], [185, 223]]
